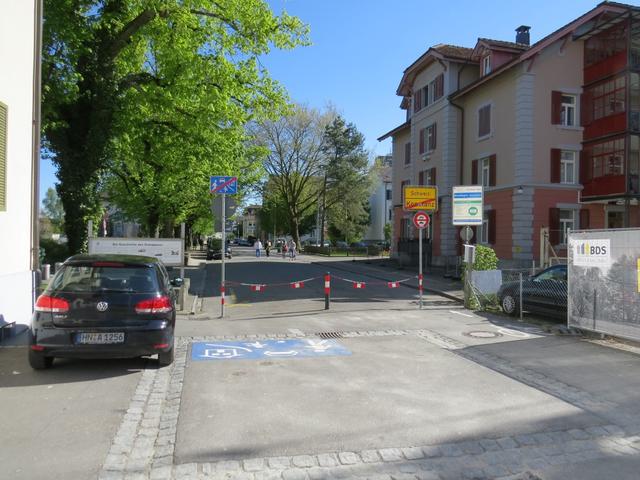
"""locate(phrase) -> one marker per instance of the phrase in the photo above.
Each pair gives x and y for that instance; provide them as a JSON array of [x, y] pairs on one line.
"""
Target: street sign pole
[[223, 185], [224, 251], [420, 267], [421, 221]]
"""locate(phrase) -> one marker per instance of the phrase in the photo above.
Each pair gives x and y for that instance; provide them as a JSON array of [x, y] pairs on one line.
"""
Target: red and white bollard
[[327, 290], [222, 295]]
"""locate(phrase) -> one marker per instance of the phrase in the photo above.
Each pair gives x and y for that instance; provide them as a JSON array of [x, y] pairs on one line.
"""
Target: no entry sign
[[421, 220]]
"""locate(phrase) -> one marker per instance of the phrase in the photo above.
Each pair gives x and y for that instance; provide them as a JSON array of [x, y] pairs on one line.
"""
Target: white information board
[[467, 205], [169, 250]]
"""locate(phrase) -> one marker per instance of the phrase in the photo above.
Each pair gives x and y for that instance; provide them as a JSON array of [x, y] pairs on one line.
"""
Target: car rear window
[[94, 278]]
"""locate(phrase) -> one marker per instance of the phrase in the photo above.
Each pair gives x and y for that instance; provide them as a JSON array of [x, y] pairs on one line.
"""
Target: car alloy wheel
[[509, 305]]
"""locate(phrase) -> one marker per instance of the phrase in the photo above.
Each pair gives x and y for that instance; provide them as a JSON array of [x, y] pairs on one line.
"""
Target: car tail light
[[154, 305], [48, 304]]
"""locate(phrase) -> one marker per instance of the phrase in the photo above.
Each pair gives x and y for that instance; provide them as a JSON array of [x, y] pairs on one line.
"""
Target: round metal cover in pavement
[[482, 334]]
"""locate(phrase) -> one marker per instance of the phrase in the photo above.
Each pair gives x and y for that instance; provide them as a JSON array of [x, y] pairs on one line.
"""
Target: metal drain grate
[[329, 335]]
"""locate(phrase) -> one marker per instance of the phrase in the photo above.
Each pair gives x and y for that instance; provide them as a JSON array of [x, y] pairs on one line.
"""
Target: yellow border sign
[[417, 197]]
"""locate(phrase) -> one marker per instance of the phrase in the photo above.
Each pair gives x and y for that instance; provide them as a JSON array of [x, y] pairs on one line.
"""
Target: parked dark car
[[105, 306], [214, 249], [544, 293]]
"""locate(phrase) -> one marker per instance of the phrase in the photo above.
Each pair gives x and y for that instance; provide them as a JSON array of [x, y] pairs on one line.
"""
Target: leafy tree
[[294, 160], [346, 180], [53, 210], [144, 90]]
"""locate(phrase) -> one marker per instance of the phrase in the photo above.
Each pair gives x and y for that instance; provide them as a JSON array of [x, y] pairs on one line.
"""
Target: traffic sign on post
[[221, 184], [419, 197], [421, 220], [225, 186]]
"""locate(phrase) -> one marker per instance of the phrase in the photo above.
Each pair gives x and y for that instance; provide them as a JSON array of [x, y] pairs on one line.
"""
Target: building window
[[407, 153], [568, 110], [567, 166], [566, 221], [388, 194], [486, 65], [402, 185], [3, 157], [484, 121], [430, 137], [607, 158], [485, 172], [390, 214], [425, 96], [484, 231]]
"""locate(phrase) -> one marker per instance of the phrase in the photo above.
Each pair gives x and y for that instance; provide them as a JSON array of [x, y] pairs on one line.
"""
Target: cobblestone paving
[[143, 448]]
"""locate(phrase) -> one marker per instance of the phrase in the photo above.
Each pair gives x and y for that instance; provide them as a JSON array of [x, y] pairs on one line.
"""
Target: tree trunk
[[324, 209]]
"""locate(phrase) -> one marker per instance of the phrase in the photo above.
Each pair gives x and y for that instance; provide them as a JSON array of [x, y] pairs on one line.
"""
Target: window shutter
[[407, 153], [492, 171], [433, 176], [584, 218], [421, 178], [3, 157], [585, 108], [441, 84], [556, 107], [417, 101], [491, 236], [555, 165], [554, 226], [422, 140], [474, 172], [585, 167], [434, 132]]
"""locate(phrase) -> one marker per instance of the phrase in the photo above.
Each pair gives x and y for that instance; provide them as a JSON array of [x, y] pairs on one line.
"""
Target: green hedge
[[52, 251]]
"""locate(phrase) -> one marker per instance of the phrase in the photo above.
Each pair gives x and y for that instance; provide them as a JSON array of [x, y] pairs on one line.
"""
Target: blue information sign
[[261, 349], [227, 185]]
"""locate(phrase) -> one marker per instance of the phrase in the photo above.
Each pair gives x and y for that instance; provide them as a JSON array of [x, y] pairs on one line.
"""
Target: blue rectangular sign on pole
[[226, 185]]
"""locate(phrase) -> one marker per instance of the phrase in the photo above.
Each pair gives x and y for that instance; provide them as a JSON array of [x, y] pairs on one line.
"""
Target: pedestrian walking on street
[[267, 248], [200, 242], [285, 249], [292, 250], [258, 247]]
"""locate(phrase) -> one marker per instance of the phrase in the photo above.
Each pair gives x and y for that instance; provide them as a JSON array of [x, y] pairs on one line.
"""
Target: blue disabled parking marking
[[260, 349]]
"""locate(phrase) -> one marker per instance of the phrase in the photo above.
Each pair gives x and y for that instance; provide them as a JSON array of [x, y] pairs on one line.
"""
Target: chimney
[[522, 35]]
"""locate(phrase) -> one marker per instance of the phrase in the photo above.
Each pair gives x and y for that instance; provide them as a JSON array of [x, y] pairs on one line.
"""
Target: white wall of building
[[16, 82]]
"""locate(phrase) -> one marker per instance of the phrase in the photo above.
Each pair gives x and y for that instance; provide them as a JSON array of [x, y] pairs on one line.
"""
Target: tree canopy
[[144, 99]]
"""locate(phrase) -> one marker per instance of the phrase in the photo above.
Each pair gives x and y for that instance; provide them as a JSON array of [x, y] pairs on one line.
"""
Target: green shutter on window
[[3, 157]]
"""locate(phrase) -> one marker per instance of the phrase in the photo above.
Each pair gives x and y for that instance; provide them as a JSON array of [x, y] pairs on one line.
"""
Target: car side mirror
[[177, 282]]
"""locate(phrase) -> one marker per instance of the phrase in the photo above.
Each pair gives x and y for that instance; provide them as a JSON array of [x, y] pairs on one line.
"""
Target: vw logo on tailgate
[[102, 306]]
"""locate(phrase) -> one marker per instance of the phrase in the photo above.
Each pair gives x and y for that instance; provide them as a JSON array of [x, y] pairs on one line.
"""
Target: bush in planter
[[485, 259], [53, 251]]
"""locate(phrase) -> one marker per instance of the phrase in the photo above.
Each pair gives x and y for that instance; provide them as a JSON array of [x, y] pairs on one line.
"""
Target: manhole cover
[[482, 334]]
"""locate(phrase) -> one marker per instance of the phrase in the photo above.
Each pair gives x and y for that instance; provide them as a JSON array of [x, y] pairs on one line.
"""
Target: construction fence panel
[[604, 281]]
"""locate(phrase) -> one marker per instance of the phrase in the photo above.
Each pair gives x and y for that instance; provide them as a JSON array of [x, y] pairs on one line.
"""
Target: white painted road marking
[[460, 313]]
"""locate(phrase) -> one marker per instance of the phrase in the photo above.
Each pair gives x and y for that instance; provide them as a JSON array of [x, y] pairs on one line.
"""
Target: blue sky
[[361, 47]]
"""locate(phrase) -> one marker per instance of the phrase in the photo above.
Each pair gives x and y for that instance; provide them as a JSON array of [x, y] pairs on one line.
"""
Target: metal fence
[[604, 281], [520, 292]]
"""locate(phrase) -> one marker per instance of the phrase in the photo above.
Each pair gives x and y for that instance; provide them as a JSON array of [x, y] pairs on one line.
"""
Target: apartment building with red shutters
[[551, 130]]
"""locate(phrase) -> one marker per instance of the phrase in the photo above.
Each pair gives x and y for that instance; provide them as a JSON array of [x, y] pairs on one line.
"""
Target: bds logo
[[592, 252]]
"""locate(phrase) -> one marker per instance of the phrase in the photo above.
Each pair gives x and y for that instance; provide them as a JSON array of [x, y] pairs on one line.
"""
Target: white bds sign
[[591, 252]]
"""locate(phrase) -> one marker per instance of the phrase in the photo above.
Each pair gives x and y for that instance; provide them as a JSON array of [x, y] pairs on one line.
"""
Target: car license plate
[[100, 338]]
